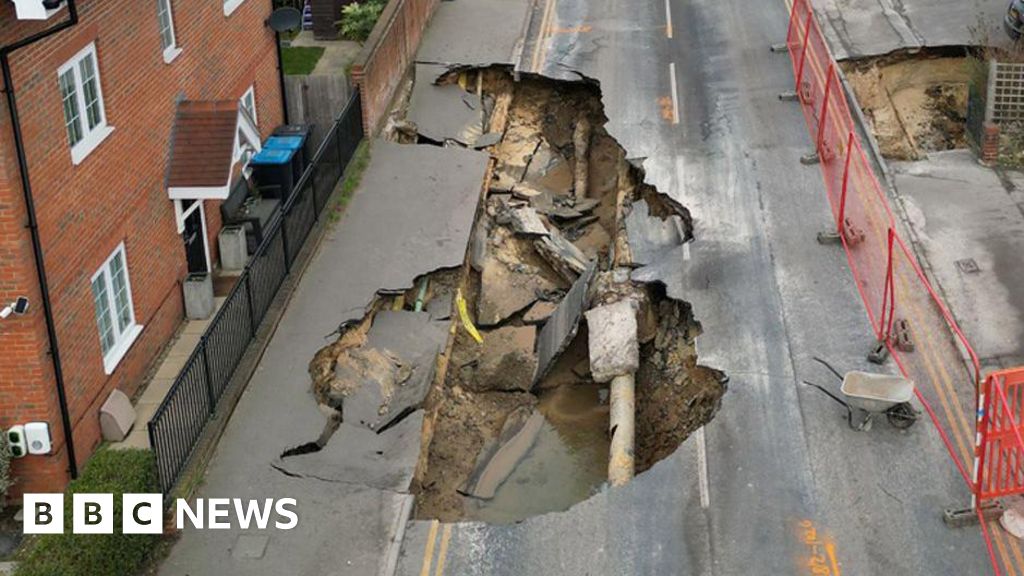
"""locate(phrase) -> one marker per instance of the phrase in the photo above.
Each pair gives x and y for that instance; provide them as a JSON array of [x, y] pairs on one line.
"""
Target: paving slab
[[964, 214], [356, 455], [444, 112], [413, 340]]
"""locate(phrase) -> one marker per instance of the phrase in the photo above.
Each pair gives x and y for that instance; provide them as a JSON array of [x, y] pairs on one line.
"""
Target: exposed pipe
[[33, 224], [622, 424]]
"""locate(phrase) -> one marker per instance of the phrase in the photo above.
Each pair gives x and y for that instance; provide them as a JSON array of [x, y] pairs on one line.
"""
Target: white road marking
[[675, 93], [668, 19], [702, 464]]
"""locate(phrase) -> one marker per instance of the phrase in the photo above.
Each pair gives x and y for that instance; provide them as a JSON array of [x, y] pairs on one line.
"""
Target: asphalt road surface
[[776, 484]]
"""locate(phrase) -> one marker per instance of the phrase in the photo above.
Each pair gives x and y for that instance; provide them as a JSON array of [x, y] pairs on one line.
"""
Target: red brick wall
[[115, 195], [387, 55]]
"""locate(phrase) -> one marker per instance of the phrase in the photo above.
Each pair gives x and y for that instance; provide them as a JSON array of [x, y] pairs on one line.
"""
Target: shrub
[[5, 469], [359, 18], [117, 554]]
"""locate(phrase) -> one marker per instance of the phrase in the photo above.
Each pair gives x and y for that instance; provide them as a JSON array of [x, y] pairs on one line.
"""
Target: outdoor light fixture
[[19, 307]]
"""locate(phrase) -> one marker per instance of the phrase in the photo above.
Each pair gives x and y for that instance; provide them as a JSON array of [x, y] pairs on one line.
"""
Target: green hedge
[[108, 471]]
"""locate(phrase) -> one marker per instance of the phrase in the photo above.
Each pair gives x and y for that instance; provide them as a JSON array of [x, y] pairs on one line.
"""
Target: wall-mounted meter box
[[37, 436], [16, 439]]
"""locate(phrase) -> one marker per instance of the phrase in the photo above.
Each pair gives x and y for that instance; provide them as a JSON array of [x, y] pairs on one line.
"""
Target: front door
[[194, 236]]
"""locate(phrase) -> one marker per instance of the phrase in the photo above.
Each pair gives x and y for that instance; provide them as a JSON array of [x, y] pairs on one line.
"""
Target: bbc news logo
[[144, 514]]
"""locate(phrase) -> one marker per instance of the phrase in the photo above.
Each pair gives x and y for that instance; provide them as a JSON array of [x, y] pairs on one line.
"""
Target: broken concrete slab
[[487, 140], [392, 373], [497, 461], [539, 312], [504, 292], [649, 236], [358, 456], [443, 112], [527, 222], [594, 241], [440, 306], [562, 255], [548, 168], [612, 340], [507, 361], [563, 324]]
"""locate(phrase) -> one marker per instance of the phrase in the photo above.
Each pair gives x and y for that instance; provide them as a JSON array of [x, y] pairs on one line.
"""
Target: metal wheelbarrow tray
[[873, 394]]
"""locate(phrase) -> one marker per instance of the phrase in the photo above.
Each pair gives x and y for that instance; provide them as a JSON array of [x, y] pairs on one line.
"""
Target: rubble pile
[[529, 361]]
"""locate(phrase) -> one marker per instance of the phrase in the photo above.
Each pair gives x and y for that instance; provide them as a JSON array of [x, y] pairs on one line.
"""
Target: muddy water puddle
[[567, 464]]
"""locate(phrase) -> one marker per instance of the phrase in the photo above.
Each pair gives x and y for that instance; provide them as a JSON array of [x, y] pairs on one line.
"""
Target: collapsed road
[[563, 373]]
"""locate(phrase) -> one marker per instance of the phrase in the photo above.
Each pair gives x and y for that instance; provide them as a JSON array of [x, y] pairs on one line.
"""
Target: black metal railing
[[181, 418]]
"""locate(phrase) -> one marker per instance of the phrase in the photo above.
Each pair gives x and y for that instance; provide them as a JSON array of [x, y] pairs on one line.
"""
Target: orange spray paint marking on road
[[821, 558], [665, 105], [583, 28]]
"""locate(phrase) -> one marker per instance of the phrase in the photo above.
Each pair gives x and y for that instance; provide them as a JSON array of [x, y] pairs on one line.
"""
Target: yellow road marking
[[581, 29], [428, 554], [442, 554], [545, 24]]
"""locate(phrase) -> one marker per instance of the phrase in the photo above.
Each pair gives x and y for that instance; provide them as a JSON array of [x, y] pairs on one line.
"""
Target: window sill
[[171, 53], [117, 353], [81, 150], [231, 5]]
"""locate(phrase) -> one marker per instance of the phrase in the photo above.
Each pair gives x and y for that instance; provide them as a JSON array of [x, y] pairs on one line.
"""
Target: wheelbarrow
[[868, 394]]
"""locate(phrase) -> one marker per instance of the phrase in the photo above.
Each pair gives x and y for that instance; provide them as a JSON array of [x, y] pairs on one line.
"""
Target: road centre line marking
[[668, 19], [428, 554], [702, 466], [442, 554], [675, 93]]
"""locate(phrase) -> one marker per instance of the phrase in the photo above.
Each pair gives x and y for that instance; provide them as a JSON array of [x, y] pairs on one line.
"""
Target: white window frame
[[231, 5], [170, 52], [91, 137], [123, 339], [249, 96]]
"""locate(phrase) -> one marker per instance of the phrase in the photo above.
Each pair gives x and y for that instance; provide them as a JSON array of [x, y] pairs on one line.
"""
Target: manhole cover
[[968, 266]]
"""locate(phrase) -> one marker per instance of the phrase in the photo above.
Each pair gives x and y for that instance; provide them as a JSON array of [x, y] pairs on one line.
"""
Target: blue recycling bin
[[273, 167], [303, 131], [293, 143]]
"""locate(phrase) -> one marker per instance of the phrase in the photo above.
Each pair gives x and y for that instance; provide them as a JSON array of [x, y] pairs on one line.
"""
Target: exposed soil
[[674, 396], [915, 104], [536, 231]]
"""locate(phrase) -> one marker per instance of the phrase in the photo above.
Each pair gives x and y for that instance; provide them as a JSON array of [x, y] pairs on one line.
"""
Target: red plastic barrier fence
[[906, 313], [998, 469]]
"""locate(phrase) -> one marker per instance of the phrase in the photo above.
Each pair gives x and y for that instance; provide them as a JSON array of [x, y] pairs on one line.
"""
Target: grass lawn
[[300, 60]]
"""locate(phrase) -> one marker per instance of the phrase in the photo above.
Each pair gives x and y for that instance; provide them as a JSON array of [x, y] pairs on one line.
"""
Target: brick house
[[99, 105]]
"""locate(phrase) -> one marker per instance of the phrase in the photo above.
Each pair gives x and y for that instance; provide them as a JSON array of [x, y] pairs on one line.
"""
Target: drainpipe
[[280, 77], [33, 224]]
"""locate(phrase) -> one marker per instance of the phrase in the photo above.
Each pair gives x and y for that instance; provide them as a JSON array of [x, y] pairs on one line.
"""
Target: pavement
[[863, 28], [352, 494], [969, 222], [776, 481]]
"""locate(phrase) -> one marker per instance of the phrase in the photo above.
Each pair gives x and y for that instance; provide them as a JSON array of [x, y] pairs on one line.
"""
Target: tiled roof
[[203, 143]]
